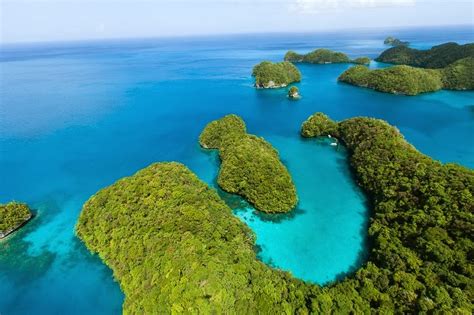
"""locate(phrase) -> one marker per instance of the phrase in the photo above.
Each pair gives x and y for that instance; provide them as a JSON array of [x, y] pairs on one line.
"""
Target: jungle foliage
[[459, 75], [293, 92], [175, 246], [275, 75], [409, 80], [361, 61], [397, 79], [422, 225], [437, 57], [392, 41], [250, 166], [12, 215], [318, 56]]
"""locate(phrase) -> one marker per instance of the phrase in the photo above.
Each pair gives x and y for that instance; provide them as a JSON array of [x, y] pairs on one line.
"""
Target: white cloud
[[314, 6]]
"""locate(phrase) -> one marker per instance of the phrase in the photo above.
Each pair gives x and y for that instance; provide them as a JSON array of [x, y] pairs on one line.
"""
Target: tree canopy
[[437, 57], [409, 80], [319, 56], [250, 166], [13, 215], [362, 61], [397, 79], [459, 75], [392, 41], [275, 75], [422, 224], [175, 246]]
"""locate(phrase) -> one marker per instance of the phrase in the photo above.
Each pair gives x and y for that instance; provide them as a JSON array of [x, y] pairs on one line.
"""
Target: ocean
[[75, 117]]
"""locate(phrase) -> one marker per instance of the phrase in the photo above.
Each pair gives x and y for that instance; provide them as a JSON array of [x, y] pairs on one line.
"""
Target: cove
[[325, 237]]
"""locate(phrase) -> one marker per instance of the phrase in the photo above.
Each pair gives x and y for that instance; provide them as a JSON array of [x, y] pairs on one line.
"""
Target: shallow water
[[75, 117]]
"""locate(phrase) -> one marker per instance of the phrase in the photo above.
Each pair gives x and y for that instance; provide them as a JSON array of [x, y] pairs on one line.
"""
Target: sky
[[64, 20]]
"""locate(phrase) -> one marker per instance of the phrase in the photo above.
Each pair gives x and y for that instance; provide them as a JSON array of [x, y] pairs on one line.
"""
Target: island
[[250, 166], [361, 61], [409, 80], [318, 56], [392, 41], [13, 215], [397, 79], [176, 247], [459, 75], [437, 57], [269, 75], [294, 93]]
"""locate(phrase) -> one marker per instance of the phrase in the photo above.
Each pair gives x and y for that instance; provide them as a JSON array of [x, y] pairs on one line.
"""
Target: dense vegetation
[[437, 57], [362, 61], [422, 226], [459, 75], [12, 215], [318, 125], [392, 41], [294, 92], [408, 80], [319, 56], [175, 246], [275, 75], [397, 79], [250, 166]]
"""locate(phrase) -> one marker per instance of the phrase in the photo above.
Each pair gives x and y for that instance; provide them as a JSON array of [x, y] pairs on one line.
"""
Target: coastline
[[5, 234]]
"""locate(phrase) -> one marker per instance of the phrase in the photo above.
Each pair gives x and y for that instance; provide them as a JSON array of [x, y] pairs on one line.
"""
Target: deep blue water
[[75, 117]]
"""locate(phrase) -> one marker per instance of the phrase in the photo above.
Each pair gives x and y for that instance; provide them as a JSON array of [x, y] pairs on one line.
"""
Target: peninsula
[[13, 215], [269, 75], [250, 166]]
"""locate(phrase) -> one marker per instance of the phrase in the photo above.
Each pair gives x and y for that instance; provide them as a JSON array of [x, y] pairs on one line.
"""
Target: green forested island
[[318, 56], [362, 61], [392, 41], [250, 166], [422, 221], [459, 75], [437, 57], [397, 79], [270, 75], [12, 216], [409, 80], [294, 93], [175, 246]]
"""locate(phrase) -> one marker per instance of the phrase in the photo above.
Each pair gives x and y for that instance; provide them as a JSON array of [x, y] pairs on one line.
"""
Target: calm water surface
[[75, 117]]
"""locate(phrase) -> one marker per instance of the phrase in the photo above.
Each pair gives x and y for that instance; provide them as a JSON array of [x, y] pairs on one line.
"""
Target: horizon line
[[204, 35]]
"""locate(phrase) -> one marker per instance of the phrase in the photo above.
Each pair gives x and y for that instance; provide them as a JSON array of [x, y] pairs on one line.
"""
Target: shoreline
[[5, 234]]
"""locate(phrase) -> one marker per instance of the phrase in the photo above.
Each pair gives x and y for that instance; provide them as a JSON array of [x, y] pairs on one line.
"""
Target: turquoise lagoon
[[75, 117]]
